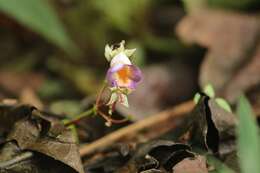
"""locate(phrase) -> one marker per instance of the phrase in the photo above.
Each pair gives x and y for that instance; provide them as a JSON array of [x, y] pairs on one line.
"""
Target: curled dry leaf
[[12, 113], [14, 160], [41, 134], [231, 39], [225, 123], [169, 155], [213, 128], [156, 156]]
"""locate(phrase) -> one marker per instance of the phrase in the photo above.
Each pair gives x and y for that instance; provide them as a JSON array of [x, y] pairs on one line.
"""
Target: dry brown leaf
[[40, 133]]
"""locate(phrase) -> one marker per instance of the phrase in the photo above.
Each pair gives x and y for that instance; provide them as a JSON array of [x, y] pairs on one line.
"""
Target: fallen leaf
[[14, 160], [158, 155], [212, 127], [39, 133], [12, 113]]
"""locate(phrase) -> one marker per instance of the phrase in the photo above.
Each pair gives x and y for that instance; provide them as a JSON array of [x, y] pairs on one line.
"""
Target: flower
[[122, 76]]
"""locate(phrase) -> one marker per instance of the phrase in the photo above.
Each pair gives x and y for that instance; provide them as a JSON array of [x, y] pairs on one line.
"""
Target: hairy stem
[[95, 110], [77, 118]]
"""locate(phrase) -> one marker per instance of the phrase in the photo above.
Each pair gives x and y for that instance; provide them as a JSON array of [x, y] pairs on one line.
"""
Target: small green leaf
[[248, 139], [209, 90], [224, 104], [196, 98], [39, 17]]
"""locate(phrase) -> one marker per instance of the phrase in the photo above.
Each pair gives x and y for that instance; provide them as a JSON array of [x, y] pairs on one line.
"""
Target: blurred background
[[52, 52]]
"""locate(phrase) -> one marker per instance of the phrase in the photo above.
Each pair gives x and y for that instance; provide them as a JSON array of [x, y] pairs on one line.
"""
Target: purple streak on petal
[[136, 73], [132, 85]]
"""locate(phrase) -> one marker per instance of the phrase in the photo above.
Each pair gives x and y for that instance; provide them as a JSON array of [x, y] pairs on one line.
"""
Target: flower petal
[[120, 58], [124, 76]]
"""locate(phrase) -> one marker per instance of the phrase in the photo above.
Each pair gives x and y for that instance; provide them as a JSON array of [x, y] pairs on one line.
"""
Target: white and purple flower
[[122, 76]]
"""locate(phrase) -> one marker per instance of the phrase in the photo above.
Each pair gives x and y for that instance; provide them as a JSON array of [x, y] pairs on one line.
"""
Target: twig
[[154, 126]]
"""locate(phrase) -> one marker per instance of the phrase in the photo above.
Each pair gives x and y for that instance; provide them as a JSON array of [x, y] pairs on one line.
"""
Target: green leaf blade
[[39, 17], [248, 139]]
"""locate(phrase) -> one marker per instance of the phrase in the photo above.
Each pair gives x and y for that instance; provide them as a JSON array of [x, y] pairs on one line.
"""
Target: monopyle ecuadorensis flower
[[122, 76]]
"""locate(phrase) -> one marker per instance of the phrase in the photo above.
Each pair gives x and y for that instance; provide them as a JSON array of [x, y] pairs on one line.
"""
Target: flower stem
[[95, 110], [77, 118], [104, 115]]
